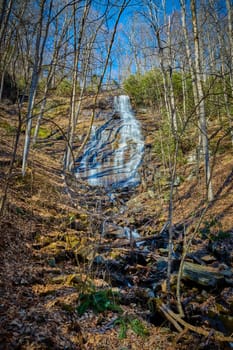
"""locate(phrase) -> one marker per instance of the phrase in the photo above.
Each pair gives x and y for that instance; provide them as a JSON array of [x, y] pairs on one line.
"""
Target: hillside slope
[[53, 250]]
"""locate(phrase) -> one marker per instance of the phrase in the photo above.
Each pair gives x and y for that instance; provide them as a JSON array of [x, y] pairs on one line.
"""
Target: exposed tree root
[[177, 321]]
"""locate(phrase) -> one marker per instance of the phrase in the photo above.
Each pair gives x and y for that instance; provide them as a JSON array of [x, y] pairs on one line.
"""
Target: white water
[[114, 153]]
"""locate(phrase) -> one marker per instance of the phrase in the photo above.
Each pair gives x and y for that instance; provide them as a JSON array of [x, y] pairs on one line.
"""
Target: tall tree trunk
[[193, 77], [51, 73], [172, 95], [230, 38], [77, 50], [167, 76], [39, 50], [2, 83], [31, 102], [224, 71], [184, 98], [201, 100], [4, 18]]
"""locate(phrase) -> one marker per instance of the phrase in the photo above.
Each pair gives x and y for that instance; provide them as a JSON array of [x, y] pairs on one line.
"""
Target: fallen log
[[206, 275]]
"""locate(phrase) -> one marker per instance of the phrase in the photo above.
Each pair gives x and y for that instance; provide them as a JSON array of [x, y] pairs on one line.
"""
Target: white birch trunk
[[172, 96], [39, 50], [72, 120], [230, 38], [191, 68], [221, 46], [201, 99]]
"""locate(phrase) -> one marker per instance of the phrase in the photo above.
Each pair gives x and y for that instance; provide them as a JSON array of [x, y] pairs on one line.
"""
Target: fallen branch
[[176, 319], [171, 319]]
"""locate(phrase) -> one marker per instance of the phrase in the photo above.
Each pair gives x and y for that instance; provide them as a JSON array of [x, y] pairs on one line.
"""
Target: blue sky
[[134, 7]]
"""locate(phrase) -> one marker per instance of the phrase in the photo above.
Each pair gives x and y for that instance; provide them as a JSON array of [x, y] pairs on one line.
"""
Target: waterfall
[[129, 153], [114, 152]]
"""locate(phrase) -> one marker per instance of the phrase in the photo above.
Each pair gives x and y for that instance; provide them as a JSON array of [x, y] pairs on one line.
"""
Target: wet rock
[[136, 203], [102, 103], [105, 103], [58, 250], [79, 225], [116, 115], [161, 265], [222, 246], [54, 248], [149, 141], [99, 260], [111, 230]]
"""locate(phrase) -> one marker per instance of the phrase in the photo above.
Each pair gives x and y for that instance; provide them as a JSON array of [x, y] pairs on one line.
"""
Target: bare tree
[[59, 37], [10, 25], [165, 60], [4, 18], [78, 36], [38, 58], [122, 7], [73, 120], [230, 38], [201, 101]]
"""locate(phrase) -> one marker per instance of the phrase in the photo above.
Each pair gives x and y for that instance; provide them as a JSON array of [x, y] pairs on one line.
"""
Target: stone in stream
[[111, 230]]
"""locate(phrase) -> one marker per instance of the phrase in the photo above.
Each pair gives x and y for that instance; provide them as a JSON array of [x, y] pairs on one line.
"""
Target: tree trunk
[[77, 50], [4, 18], [166, 71], [39, 50], [51, 73], [32, 95], [2, 84], [192, 72], [201, 100], [230, 38], [172, 95]]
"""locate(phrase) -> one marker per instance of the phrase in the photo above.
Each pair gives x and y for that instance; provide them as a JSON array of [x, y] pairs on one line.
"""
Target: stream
[[112, 157], [110, 166]]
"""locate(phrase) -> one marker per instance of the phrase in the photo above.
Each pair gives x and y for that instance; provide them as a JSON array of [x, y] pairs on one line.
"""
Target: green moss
[[43, 132], [7, 127], [128, 322], [72, 240], [98, 301], [67, 307]]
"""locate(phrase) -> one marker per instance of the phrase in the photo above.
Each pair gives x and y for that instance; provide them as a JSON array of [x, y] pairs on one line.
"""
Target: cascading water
[[112, 156]]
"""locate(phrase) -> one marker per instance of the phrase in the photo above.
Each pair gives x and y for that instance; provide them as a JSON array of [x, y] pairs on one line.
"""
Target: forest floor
[[66, 284]]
